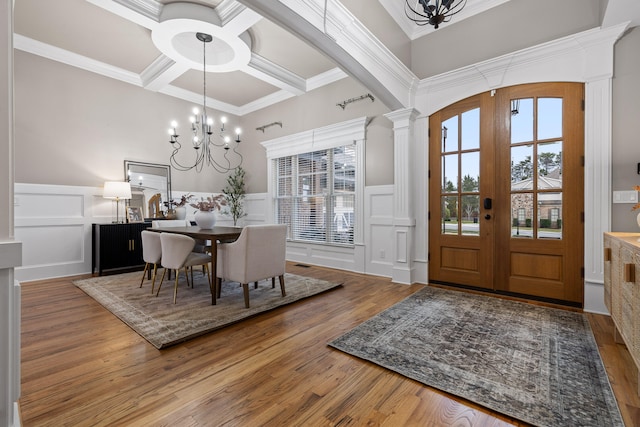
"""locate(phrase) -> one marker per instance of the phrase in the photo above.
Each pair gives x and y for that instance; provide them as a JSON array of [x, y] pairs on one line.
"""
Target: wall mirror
[[148, 180]]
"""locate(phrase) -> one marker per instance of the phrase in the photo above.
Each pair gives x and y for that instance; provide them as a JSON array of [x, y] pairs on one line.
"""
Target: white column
[[598, 93], [404, 221], [10, 251]]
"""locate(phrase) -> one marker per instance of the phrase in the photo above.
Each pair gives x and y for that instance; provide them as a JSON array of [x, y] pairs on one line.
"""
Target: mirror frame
[[164, 168]]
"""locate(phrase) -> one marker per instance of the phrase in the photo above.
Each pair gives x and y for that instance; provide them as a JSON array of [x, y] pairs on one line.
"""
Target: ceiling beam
[[339, 35]]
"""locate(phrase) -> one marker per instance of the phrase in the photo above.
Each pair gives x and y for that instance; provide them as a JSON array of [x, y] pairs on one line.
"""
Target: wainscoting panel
[[379, 230], [342, 258], [62, 244], [53, 222]]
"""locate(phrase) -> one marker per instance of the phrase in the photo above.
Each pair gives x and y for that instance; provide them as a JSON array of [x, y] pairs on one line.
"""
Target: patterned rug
[[536, 364], [163, 323]]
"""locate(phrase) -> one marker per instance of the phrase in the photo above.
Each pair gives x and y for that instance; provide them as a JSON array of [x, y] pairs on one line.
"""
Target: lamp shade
[[117, 190]]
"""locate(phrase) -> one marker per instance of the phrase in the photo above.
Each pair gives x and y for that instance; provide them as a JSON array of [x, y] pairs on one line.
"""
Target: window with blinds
[[315, 195]]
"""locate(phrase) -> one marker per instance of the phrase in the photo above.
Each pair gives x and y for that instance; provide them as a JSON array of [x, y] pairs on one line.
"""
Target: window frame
[[351, 132]]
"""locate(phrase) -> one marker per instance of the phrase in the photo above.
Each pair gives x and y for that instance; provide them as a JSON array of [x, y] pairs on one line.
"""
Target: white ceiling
[[252, 62]]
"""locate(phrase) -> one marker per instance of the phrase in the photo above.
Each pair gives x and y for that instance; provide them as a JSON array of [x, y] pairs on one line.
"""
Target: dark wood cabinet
[[117, 248]]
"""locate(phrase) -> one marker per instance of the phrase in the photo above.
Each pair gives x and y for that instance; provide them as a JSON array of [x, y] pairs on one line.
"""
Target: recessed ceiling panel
[[236, 88], [288, 51], [80, 27]]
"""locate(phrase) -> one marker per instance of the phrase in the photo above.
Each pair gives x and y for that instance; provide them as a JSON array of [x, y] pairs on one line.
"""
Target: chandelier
[[215, 151], [434, 12]]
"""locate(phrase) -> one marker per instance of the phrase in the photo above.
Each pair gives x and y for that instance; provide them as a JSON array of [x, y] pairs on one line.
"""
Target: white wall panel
[[61, 244]]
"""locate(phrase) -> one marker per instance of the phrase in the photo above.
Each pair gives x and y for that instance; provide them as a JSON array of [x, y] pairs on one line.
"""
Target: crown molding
[[44, 50], [584, 56], [161, 72], [325, 78], [161, 69], [313, 83], [236, 16], [274, 74], [323, 138], [142, 12], [196, 98]]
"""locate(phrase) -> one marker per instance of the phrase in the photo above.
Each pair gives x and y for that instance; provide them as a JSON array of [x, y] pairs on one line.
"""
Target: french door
[[506, 192]]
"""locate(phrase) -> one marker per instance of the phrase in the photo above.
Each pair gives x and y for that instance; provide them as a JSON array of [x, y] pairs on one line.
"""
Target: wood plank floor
[[81, 366]]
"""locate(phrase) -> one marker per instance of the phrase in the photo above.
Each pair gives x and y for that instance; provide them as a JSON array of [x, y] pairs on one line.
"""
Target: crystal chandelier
[[214, 151], [434, 12]]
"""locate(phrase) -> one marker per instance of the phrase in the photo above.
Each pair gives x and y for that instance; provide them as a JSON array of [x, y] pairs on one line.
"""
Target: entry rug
[[163, 323], [536, 364]]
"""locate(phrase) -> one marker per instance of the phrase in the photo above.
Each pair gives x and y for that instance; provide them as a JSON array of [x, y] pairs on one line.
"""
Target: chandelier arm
[[219, 166], [414, 11], [459, 6]]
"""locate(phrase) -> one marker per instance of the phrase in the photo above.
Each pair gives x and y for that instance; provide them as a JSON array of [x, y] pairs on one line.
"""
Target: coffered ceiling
[[252, 62]]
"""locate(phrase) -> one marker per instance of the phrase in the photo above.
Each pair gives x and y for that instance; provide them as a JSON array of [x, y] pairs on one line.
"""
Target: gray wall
[[626, 127], [514, 25], [316, 109], [74, 127]]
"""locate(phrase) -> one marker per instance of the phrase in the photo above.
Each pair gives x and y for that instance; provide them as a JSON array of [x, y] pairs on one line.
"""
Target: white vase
[[181, 212], [205, 219]]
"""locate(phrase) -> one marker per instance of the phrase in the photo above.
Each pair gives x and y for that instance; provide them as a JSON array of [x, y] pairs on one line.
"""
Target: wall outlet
[[382, 253]]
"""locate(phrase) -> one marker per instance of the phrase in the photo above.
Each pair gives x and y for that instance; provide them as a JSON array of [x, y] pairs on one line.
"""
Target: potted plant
[[205, 214], [235, 193]]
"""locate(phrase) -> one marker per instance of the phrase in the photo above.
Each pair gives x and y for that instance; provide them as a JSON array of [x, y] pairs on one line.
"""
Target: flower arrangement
[[211, 203], [184, 199], [637, 205]]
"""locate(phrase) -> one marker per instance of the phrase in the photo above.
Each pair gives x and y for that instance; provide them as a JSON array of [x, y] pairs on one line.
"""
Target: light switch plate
[[625, 196]]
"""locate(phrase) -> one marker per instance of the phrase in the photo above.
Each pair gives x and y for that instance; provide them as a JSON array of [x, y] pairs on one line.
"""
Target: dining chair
[[258, 253], [151, 254], [177, 254], [202, 246]]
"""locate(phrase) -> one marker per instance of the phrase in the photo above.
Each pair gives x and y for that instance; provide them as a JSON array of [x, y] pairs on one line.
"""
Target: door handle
[[487, 203], [487, 216]]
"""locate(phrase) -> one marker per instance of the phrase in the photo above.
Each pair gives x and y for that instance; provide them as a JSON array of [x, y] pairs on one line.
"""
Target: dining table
[[215, 235]]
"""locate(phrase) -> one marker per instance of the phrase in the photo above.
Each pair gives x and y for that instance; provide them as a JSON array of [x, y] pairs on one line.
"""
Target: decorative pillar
[[404, 221]]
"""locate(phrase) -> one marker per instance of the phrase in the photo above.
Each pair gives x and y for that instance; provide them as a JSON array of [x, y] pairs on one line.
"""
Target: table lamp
[[117, 190]]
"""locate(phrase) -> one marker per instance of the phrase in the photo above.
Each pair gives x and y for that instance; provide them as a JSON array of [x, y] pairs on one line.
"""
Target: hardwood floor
[[81, 366]]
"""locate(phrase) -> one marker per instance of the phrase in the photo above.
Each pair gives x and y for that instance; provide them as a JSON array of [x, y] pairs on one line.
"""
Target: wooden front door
[[506, 192]]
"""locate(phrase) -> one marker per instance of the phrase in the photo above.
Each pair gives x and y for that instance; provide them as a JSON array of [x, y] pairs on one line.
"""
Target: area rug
[[536, 364], [163, 323]]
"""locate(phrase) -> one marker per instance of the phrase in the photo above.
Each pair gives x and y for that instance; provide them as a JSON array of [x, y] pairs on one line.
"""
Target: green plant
[[235, 193]]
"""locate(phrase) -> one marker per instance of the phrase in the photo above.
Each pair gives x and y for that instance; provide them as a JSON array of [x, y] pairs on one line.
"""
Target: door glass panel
[[550, 215], [549, 118], [470, 163], [470, 129], [469, 215], [449, 209], [522, 167], [450, 135], [450, 173], [522, 215], [521, 120], [550, 165]]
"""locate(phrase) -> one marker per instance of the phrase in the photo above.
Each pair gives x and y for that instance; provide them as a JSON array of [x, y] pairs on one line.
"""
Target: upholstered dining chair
[[151, 254], [177, 254], [201, 245], [258, 253]]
